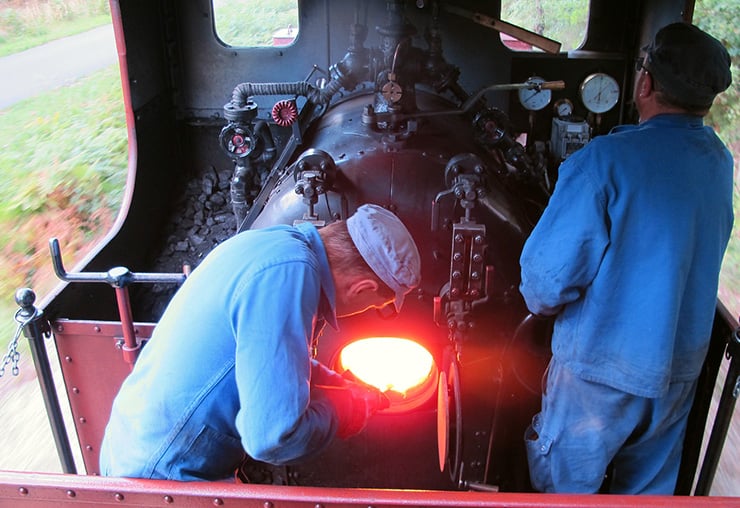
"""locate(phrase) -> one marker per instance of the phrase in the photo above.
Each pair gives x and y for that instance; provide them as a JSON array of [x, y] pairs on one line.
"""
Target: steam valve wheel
[[284, 113], [237, 141], [491, 126]]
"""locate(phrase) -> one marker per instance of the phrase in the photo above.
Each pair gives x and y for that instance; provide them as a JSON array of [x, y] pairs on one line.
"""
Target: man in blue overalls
[[229, 371], [627, 255]]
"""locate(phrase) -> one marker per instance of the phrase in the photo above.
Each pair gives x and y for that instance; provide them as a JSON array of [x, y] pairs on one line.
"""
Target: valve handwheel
[[284, 113]]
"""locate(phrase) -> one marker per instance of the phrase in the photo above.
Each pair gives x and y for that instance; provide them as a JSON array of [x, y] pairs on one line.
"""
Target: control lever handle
[[116, 277], [119, 278]]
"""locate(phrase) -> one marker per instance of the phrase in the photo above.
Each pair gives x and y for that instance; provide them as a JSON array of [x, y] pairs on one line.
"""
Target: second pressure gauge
[[534, 99], [563, 108], [599, 92]]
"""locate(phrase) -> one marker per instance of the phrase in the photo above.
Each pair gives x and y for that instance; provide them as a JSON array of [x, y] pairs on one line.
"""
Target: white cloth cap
[[387, 247]]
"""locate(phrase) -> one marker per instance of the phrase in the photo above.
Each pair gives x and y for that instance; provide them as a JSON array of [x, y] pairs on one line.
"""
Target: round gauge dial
[[563, 107], [599, 92], [534, 99]]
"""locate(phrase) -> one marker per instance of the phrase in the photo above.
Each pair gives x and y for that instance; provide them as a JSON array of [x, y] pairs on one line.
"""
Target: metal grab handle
[[119, 278], [116, 277]]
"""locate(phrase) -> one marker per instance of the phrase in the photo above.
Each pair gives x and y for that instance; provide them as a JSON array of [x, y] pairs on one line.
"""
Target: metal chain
[[13, 356]]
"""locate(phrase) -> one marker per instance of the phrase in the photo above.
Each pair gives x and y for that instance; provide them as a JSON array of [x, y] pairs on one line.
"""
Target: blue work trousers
[[585, 426]]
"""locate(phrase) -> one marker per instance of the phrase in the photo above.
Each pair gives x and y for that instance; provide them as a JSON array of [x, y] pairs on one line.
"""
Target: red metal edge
[[93, 367], [47, 490]]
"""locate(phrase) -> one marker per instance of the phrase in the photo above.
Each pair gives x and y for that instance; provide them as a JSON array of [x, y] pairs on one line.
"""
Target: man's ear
[[363, 285], [646, 85]]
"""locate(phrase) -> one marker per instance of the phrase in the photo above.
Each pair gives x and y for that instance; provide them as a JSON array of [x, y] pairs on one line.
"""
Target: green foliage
[[561, 20], [11, 22], [24, 25], [63, 157], [719, 18], [73, 138], [248, 23]]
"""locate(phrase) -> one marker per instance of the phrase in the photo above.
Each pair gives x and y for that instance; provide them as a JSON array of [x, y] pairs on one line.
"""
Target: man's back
[[631, 245], [177, 415]]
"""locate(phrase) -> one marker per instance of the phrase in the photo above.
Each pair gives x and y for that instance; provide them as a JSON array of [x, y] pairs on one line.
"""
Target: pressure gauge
[[534, 99], [563, 108], [599, 92]]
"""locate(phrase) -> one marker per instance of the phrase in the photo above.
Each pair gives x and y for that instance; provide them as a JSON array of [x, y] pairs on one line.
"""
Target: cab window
[[255, 23], [561, 20]]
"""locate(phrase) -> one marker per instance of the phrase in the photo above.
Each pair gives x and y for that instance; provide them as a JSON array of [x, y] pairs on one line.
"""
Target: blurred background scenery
[[64, 158]]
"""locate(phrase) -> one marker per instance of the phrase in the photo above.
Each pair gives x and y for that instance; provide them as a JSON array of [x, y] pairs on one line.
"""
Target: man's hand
[[354, 404]]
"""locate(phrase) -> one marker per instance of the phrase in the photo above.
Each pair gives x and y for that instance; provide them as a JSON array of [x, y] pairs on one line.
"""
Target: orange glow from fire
[[388, 363]]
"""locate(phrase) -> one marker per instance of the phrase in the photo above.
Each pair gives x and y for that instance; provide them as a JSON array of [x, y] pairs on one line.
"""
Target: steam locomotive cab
[[416, 106], [433, 161]]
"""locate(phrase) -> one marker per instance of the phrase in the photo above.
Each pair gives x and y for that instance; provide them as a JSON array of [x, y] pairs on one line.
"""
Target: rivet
[[218, 502], [23, 491], [68, 359], [118, 496], [267, 504], [83, 419], [168, 499], [89, 448], [96, 328], [75, 389], [71, 493], [60, 328]]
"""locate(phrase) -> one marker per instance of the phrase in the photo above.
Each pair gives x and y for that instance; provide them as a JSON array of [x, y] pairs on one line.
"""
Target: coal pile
[[201, 219]]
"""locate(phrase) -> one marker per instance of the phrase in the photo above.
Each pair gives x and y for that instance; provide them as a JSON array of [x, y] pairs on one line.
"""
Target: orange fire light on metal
[[388, 363]]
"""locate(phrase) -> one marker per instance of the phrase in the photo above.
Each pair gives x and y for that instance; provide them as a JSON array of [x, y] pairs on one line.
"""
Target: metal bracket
[[314, 173], [470, 278]]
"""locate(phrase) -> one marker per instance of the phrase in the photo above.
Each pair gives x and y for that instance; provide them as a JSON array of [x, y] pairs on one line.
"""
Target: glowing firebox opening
[[401, 368]]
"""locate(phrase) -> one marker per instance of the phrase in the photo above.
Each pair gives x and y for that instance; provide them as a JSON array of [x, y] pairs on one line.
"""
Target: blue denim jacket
[[628, 251], [228, 368]]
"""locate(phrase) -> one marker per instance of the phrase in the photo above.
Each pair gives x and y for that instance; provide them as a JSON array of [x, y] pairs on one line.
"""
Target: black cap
[[690, 65]]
